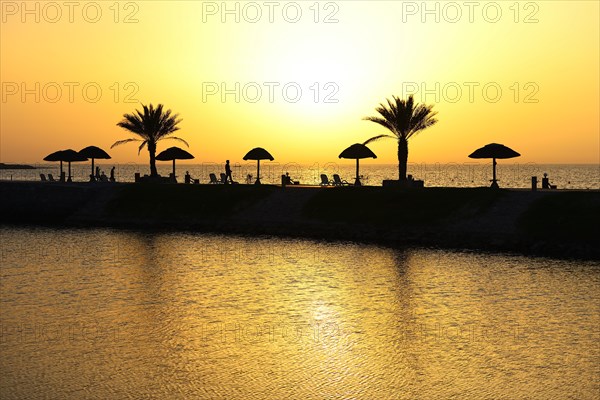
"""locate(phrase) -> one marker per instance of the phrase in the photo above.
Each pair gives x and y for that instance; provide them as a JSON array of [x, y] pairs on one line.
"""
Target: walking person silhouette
[[228, 178]]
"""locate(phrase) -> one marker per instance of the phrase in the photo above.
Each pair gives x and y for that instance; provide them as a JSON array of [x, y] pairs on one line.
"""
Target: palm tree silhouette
[[152, 125], [404, 119]]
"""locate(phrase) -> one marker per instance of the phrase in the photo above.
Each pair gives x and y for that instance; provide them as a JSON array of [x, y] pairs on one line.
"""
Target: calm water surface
[[100, 314]]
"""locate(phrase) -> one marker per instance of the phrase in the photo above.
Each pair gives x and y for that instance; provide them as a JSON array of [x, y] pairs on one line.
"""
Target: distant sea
[[470, 174]]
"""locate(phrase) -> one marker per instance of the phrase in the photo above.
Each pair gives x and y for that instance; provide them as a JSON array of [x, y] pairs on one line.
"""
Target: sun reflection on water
[[180, 315]]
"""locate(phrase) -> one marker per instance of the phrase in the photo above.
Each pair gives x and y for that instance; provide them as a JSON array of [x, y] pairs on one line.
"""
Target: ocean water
[[470, 174], [103, 314]]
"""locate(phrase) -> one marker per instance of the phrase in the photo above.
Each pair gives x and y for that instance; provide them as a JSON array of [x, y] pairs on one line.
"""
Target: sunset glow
[[298, 77], [310, 199]]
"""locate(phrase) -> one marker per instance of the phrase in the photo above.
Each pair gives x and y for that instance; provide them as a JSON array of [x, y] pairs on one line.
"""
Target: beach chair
[[51, 178], [325, 180], [43, 177], [337, 181], [213, 179]]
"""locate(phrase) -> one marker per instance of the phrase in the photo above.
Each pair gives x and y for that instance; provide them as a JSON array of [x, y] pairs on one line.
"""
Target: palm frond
[[374, 138], [177, 138], [151, 124], [423, 117], [120, 142], [404, 118], [142, 146], [383, 122]]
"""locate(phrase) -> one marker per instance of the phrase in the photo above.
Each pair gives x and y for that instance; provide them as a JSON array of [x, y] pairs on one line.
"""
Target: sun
[[314, 77]]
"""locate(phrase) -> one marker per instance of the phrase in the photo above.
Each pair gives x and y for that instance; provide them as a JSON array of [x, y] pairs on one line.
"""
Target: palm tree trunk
[[152, 151], [402, 158]]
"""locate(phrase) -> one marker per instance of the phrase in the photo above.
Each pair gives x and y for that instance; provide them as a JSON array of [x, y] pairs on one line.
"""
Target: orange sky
[[542, 56]]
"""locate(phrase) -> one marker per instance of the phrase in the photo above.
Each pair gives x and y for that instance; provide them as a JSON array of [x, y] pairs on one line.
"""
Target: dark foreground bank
[[553, 223]]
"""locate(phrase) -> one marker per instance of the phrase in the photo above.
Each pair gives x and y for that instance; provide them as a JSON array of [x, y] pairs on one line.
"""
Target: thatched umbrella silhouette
[[493, 151], [68, 156], [172, 154], [56, 156], [356, 152], [258, 153], [94, 152]]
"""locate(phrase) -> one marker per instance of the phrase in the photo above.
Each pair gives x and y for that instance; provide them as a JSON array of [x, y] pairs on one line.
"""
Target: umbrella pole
[[92, 174], [494, 183], [61, 171], [69, 179], [357, 181], [257, 172], [173, 168]]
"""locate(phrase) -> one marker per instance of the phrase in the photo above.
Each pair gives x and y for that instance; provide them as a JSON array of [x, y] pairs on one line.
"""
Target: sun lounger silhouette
[[224, 180], [43, 177], [51, 178], [337, 181], [325, 180], [213, 179]]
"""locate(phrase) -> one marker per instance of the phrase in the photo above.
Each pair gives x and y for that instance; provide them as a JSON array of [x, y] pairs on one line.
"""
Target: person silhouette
[[188, 177], [545, 181], [228, 178], [97, 173], [112, 174], [289, 180]]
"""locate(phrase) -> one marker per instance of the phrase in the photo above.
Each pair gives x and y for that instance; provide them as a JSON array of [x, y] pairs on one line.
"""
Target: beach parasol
[[56, 156], [493, 151], [172, 154], [94, 152], [356, 152], [258, 153], [68, 156]]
